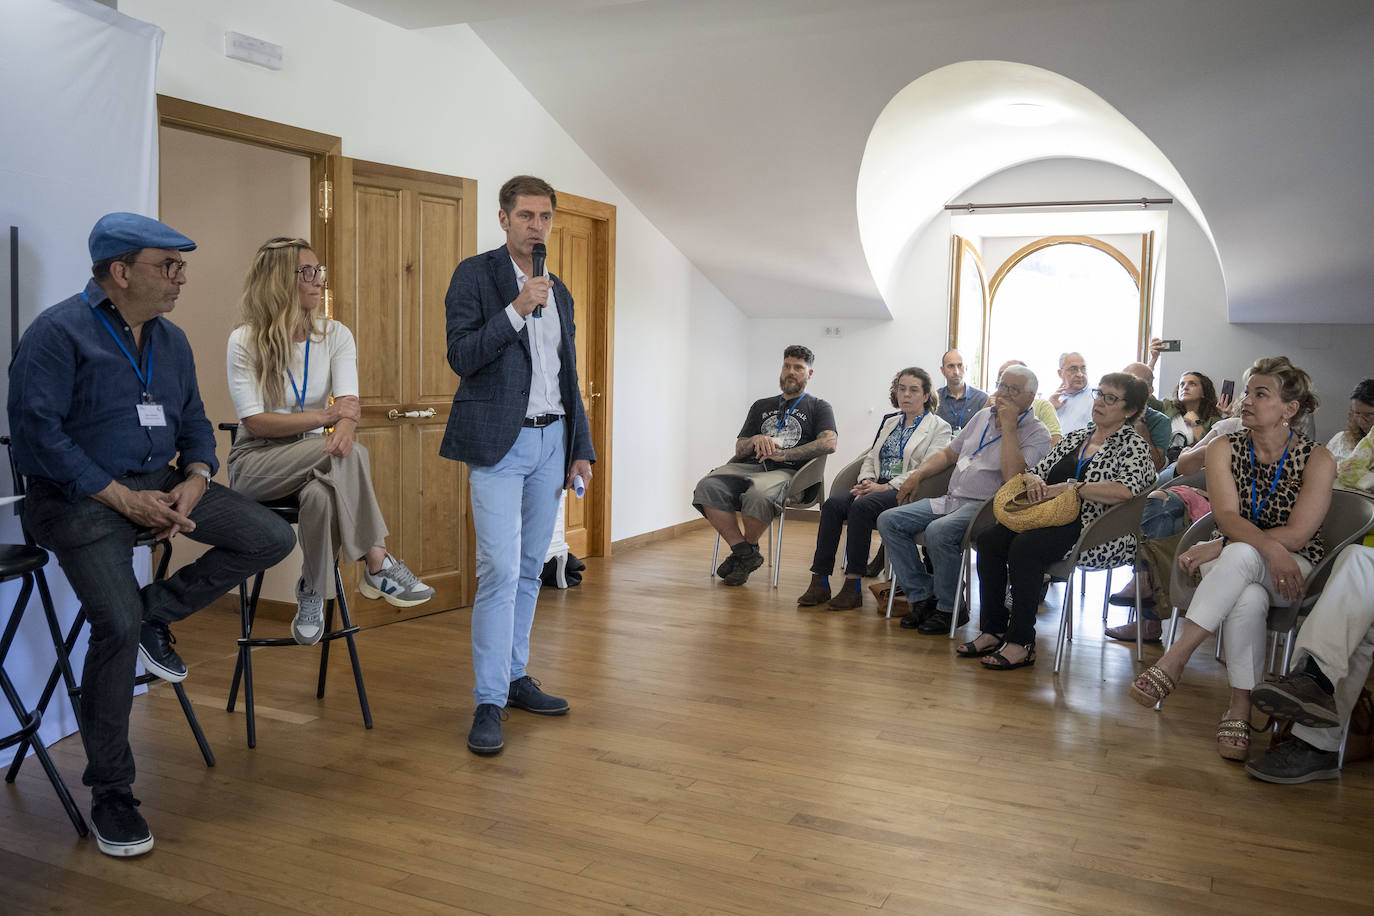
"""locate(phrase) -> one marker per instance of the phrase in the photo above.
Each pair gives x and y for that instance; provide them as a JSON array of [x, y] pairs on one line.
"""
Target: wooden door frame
[[599, 355], [230, 125]]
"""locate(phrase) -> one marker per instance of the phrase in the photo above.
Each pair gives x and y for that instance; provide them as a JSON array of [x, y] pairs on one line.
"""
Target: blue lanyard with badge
[[150, 413], [305, 379]]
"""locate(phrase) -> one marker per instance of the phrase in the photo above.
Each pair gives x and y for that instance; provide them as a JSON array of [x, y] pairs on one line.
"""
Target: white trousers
[[1234, 597], [1339, 635]]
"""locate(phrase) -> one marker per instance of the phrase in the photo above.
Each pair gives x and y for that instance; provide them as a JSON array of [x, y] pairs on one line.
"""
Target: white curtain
[[78, 118]]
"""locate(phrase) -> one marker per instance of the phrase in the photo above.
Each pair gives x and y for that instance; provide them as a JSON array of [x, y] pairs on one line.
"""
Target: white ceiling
[[738, 126]]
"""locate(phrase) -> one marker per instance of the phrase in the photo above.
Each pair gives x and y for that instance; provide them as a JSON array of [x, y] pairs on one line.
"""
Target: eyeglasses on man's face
[[1111, 400], [309, 272], [171, 268], [1013, 391]]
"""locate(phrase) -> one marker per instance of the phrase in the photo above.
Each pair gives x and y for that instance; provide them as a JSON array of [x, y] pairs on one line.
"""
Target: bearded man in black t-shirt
[[779, 435]]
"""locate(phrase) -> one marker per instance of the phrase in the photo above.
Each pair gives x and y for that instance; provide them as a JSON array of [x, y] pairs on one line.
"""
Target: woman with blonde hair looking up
[[293, 377]]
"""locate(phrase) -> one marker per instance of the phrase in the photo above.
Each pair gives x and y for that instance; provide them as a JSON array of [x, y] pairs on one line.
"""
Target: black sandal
[[971, 650], [1001, 663]]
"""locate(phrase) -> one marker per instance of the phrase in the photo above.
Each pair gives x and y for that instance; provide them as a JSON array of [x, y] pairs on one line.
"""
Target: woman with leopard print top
[[1107, 462], [1270, 488]]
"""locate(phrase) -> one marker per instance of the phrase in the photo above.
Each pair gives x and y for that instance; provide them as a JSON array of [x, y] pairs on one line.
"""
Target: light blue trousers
[[514, 505], [944, 542]]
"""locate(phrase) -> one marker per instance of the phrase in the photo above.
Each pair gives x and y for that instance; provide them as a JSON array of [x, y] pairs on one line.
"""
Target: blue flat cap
[[120, 233]]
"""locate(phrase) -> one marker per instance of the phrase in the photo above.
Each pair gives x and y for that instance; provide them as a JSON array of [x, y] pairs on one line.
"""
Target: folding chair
[[1119, 521], [804, 490], [24, 562]]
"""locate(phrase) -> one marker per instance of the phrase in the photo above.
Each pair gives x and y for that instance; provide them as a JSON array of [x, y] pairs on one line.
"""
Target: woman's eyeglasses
[[309, 272], [1110, 399]]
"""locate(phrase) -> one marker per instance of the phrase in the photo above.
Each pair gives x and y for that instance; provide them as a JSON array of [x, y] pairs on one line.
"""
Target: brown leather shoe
[[851, 596], [817, 593]]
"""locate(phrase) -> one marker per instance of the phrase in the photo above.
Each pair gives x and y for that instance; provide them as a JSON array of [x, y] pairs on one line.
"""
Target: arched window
[[1053, 295]]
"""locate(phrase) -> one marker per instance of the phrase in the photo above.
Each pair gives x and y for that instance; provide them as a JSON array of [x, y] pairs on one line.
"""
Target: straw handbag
[[1015, 511]]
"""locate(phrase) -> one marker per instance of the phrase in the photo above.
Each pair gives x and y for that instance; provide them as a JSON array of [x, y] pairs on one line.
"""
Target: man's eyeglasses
[[1012, 390], [171, 269], [309, 272], [1111, 399]]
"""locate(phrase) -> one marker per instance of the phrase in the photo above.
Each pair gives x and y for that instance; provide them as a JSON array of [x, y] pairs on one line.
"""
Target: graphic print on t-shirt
[[791, 429]]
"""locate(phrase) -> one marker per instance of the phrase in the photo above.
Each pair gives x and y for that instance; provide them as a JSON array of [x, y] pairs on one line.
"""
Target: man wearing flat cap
[[107, 425]]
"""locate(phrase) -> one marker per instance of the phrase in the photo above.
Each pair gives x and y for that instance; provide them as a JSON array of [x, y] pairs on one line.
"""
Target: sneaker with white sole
[[307, 627], [397, 584], [119, 829]]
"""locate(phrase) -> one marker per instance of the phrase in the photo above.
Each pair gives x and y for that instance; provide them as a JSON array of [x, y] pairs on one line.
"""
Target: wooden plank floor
[[727, 752]]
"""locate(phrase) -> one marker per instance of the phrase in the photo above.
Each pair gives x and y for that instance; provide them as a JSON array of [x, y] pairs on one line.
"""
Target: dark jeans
[[1028, 555], [1161, 518], [95, 544], [862, 513]]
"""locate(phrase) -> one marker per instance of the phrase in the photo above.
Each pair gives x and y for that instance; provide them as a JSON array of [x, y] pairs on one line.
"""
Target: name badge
[[151, 415], [964, 461]]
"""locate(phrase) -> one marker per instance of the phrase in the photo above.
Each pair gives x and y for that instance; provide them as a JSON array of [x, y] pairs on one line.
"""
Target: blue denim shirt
[[74, 398]]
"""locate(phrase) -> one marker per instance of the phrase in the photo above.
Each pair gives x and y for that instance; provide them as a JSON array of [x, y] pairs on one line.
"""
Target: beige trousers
[[339, 515]]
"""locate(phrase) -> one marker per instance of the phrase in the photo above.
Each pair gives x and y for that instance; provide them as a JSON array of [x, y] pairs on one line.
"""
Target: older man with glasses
[[1072, 400], [999, 442], [107, 423]]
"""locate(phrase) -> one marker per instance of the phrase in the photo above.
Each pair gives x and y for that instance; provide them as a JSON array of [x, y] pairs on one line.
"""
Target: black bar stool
[[62, 670], [23, 562], [289, 510]]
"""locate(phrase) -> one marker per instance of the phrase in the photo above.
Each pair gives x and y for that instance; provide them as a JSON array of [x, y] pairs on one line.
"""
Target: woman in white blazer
[[904, 440]]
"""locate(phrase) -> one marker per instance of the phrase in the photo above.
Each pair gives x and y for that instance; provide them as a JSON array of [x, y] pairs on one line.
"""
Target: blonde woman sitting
[[1270, 487], [293, 374]]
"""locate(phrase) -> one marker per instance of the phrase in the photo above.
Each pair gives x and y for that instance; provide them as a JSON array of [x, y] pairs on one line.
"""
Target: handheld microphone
[[539, 254]]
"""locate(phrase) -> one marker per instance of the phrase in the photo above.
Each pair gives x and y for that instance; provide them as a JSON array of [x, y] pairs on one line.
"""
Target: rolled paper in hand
[[579, 486]]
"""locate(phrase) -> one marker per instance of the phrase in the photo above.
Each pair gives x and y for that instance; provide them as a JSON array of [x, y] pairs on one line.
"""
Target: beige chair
[[1118, 521], [981, 521], [804, 490], [930, 488]]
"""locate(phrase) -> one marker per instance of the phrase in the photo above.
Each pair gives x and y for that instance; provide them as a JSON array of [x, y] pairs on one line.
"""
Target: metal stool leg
[[349, 630], [29, 723]]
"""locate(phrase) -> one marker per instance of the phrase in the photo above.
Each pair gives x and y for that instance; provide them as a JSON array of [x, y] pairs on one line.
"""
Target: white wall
[[853, 371], [439, 100]]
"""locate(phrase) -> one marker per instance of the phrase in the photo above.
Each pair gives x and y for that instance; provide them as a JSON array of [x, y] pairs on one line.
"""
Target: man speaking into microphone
[[517, 420]]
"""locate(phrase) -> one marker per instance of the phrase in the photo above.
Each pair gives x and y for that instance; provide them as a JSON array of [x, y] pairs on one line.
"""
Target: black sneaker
[[744, 565], [727, 566], [1298, 697], [525, 694], [1295, 761], [919, 612], [156, 652], [119, 829], [485, 737], [938, 623]]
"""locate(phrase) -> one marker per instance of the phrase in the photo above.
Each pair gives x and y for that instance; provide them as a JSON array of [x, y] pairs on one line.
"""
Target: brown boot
[[851, 596], [817, 593]]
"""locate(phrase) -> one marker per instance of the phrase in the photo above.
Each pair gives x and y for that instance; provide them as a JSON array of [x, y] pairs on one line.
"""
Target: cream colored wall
[[229, 197]]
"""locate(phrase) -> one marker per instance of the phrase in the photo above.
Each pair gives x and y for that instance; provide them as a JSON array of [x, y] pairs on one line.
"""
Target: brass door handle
[[394, 414]]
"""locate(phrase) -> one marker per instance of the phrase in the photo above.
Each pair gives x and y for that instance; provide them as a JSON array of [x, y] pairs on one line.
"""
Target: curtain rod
[[1141, 202]]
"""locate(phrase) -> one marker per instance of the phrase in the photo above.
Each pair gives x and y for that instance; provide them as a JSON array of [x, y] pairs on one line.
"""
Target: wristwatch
[[201, 472]]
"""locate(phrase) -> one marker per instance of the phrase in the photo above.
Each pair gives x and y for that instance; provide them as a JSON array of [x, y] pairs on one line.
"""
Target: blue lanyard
[[904, 434], [147, 380], [783, 419], [982, 445], [1078, 471], [305, 379], [1254, 466], [959, 421]]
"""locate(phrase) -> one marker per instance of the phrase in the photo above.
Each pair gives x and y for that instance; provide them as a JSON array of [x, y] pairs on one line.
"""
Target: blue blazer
[[494, 364]]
